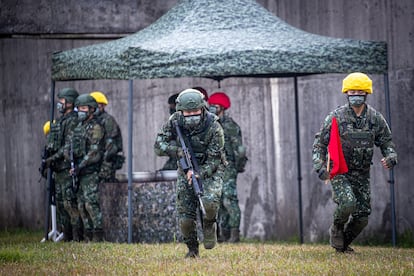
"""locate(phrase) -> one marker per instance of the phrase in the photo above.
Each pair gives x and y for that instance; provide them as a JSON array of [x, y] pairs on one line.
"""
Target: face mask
[[213, 109], [356, 100], [97, 112], [60, 107], [82, 115], [172, 111], [192, 121]]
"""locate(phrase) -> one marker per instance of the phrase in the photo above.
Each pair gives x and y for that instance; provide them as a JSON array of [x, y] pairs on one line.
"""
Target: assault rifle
[[42, 169], [75, 185], [188, 162], [54, 234]]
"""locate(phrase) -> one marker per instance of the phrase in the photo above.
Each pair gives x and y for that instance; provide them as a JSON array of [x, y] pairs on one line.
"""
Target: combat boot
[[223, 235], [210, 234], [88, 236], [76, 234], [234, 235], [336, 237], [67, 233], [98, 235], [192, 250]]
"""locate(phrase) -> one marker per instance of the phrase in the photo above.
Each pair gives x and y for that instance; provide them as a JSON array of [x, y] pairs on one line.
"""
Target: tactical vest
[[81, 145], [79, 141], [55, 138], [357, 137], [105, 118], [198, 140], [227, 123]]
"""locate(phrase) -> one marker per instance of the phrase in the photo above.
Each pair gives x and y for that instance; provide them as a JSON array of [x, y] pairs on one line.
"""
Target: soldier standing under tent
[[171, 163], [203, 133], [229, 212], [360, 128], [60, 130], [87, 143], [113, 158]]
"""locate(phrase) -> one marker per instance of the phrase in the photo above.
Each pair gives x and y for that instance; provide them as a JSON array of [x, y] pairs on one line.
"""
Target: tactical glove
[[390, 162], [48, 162], [323, 174], [180, 153]]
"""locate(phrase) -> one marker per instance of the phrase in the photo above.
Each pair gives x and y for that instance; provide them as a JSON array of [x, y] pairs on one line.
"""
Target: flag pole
[[328, 166]]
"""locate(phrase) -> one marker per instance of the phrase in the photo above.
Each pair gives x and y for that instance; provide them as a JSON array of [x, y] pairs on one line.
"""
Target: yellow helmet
[[46, 128], [99, 97], [357, 81]]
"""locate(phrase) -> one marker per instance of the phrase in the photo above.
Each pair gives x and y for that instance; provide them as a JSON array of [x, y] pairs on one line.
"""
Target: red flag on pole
[[335, 153]]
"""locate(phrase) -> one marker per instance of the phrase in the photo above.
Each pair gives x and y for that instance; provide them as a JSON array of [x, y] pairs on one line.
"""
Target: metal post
[[130, 106], [49, 171], [299, 161], [391, 181]]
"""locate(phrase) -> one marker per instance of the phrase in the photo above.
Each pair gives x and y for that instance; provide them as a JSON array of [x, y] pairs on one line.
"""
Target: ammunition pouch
[[54, 141]]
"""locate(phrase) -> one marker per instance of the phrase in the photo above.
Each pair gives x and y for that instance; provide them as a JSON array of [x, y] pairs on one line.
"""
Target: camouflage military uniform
[[229, 212], [207, 142], [66, 205], [88, 142], [171, 164], [351, 191], [112, 161]]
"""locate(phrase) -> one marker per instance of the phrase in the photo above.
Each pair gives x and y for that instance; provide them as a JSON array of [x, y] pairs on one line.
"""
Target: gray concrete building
[[30, 31]]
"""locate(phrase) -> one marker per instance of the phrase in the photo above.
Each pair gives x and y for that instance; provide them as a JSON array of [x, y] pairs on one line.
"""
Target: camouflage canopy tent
[[213, 38], [219, 39]]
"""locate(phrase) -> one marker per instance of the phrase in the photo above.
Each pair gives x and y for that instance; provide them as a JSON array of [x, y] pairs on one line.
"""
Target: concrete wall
[[32, 31]]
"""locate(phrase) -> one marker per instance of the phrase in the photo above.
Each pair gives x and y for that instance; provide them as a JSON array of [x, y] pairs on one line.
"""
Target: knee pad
[[349, 207], [187, 226]]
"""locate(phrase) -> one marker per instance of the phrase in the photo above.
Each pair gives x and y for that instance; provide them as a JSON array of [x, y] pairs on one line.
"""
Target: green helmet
[[69, 94], [190, 99], [86, 99]]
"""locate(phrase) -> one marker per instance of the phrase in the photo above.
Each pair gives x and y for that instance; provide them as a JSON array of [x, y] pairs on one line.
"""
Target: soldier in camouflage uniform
[[205, 135], [171, 163], [60, 130], [113, 158], [360, 128], [229, 212], [87, 142]]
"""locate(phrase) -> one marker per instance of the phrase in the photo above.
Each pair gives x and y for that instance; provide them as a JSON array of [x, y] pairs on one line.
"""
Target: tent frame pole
[[298, 161], [130, 118], [49, 171], [391, 175]]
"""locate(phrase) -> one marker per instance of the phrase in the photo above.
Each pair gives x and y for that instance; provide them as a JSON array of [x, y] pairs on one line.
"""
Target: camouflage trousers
[[352, 194], [66, 204], [88, 202], [187, 203], [229, 212]]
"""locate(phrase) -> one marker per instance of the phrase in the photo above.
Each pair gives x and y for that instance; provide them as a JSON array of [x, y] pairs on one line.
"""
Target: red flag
[[335, 152]]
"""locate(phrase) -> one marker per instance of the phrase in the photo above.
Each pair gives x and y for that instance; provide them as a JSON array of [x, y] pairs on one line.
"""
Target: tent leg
[[391, 181], [299, 161], [130, 106], [49, 171]]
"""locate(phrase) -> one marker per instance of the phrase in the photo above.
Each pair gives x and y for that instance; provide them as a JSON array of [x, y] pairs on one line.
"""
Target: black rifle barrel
[[188, 162]]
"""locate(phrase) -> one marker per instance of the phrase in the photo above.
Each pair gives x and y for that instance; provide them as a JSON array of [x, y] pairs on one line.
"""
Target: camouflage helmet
[[190, 99], [69, 94], [86, 99]]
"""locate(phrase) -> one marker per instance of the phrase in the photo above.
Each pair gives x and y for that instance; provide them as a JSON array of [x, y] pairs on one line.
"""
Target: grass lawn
[[21, 253]]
